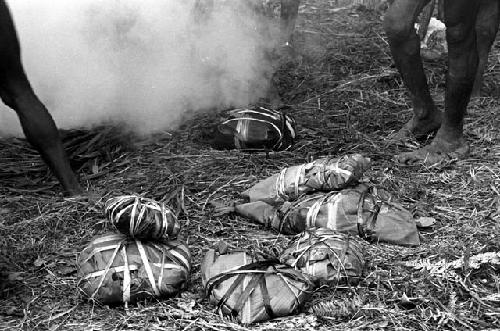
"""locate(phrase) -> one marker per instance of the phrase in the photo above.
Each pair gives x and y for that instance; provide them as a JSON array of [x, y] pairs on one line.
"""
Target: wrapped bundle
[[250, 290], [142, 218], [359, 210], [257, 129], [326, 174], [434, 45], [327, 256], [114, 268]]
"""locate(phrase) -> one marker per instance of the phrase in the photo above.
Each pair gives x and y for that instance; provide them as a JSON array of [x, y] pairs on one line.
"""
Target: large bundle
[[326, 256], [359, 210], [142, 218], [324, 174], [114, 269], [256, 129], [250, 290]]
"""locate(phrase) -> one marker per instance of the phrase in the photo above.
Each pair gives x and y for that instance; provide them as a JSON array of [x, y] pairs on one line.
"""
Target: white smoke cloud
[[145, 62]]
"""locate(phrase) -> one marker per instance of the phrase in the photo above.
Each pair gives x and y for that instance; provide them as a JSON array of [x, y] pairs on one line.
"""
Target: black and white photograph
[[249, 165]]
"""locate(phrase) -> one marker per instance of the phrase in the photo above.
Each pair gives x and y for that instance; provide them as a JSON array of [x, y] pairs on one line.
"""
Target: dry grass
[[346, 97]]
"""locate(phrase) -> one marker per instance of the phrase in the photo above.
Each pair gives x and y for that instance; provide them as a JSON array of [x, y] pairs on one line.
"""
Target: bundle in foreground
[[327, 256], [142, 218], [361, 210], [250, 290], [325, 174], [114, 268]]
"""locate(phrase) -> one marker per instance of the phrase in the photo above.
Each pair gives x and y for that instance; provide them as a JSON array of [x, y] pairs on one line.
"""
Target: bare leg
[[426, 18], [405, 48], [441, 10], [488, 19], [37, 124], [41, 132], [462, 66], [289, 13]]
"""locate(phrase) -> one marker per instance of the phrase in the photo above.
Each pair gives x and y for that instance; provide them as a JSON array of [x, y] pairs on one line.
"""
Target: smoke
[[142, 62]]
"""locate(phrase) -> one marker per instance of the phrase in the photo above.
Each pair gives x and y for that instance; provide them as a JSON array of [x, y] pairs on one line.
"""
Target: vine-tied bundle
[[251, 290], [256, 129], [142, 218], [114, 268], [326, 255], [321, 175], [360, 210]]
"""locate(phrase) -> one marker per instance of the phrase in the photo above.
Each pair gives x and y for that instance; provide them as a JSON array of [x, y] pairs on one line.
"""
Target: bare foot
[[84, 197], [438, 151], [76, 190], [416, 128]]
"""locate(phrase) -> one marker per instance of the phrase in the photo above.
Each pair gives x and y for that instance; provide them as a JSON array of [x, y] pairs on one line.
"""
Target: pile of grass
[[346, 97]]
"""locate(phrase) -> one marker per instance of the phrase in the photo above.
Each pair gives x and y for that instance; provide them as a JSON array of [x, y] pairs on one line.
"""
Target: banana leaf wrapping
[[256, 129], [361, 210], [142, 218], [250, 290], [114, 268], [327, 256], [325, 174]]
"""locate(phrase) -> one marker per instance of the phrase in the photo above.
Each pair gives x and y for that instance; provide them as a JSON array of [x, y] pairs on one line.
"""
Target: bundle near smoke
[[145, 62]]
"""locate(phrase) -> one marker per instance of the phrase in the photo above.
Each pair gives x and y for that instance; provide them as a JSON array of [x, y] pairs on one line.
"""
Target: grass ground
[[347, 97]]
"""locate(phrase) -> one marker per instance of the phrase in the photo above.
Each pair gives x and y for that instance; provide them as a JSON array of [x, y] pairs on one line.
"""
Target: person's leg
[[37, 124], [404, 42], [460, 17], [488, 20], [289, 13]]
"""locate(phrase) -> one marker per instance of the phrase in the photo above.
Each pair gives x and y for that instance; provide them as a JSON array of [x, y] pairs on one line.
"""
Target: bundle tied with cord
[[142, 218], [251, 290], [114, 268], [325, 174], [327, 256], [256, 129], [361, 210]]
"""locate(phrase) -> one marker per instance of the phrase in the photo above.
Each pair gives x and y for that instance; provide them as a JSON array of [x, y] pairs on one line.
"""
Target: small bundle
[[326, 256], [324, 174], [142, 218], [434, 45], [359, 210], [257, 129], [251, 290], [116, 269]]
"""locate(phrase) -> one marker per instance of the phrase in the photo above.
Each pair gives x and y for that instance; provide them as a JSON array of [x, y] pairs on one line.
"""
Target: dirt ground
[[347, 97]]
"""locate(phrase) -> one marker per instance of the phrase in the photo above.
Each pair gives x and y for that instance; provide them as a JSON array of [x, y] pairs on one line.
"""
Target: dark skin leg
[[460, 17], [289, 13], [288, 18], [405, 48], [488, 20], [37, 124], [441, 10]]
